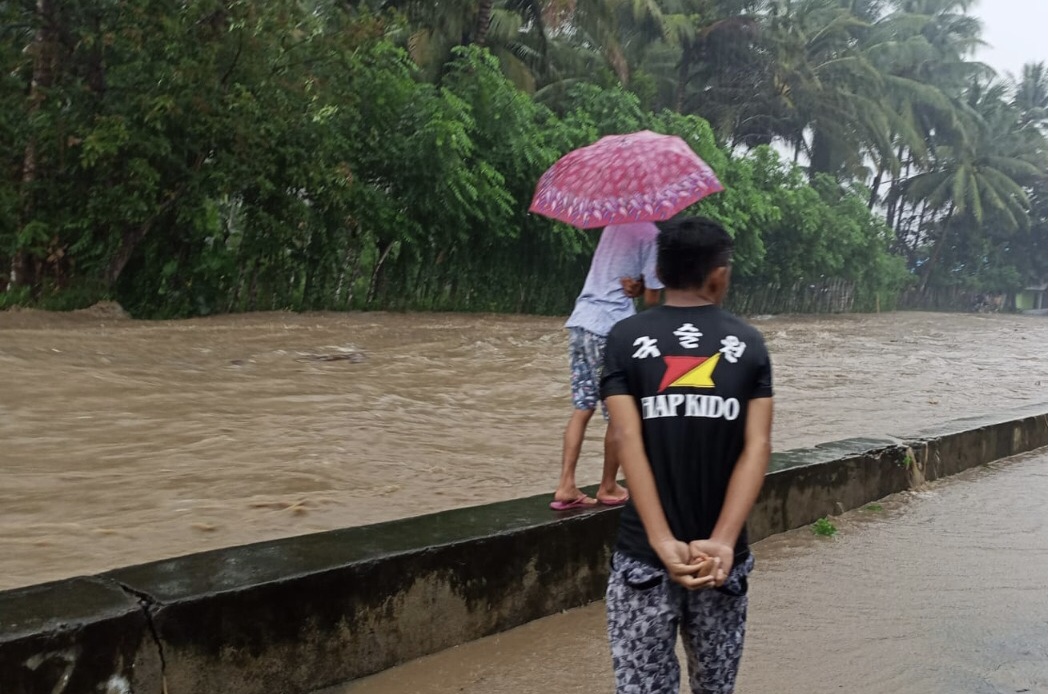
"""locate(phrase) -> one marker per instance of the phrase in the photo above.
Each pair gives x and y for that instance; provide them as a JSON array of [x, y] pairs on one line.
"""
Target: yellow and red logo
[[689, 372]]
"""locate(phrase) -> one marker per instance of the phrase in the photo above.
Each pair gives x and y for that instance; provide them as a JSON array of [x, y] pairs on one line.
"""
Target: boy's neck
[[690, 297]]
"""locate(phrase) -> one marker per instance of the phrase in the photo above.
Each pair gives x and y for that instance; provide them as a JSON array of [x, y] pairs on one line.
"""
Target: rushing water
[[128, 441]]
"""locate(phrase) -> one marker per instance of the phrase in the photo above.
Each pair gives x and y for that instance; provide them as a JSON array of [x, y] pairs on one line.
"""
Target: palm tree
[[923, 81], [925, 54], [821, 94], [626, 30], [981, 174], [513, 30], [620, 30], [1031, 95], [707, 33]]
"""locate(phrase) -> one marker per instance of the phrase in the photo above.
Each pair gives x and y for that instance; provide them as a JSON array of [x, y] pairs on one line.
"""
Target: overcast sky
[[1016, 32]]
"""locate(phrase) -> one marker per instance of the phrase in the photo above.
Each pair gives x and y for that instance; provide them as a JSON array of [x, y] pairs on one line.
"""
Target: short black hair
[[690, 248]]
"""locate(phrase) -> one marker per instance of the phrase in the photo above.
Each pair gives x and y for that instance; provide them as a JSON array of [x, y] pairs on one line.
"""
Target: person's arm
[[632, 287], [637, 288], [743, 487], [628, 438], [650, 273]]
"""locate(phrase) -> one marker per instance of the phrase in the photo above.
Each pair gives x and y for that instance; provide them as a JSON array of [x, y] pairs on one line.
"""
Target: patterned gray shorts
[[646, 610], [586, 351]]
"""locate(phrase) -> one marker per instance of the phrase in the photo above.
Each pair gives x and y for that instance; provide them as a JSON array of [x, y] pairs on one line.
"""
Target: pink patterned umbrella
[[640, 177]]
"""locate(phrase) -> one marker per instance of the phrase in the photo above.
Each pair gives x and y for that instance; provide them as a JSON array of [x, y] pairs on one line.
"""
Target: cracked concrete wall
[[80, 635], [298, 614]]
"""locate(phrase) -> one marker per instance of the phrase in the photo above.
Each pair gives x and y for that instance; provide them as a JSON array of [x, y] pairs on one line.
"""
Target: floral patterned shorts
[[586, 351], [646, 610]]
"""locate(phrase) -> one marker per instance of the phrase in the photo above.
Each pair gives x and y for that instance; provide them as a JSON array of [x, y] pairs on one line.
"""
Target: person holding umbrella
[[623, 183], [623, 268]]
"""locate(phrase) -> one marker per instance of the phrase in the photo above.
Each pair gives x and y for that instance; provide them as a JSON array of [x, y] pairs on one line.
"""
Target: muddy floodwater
[[127, 441], [942, 591]]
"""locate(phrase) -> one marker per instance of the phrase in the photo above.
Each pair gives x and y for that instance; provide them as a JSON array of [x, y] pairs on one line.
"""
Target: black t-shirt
[[692, 372]]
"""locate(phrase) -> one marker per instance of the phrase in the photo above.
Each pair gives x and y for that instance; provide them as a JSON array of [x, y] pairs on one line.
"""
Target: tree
[[980, 177], [323, 154], [514, 31], [1031, 95]]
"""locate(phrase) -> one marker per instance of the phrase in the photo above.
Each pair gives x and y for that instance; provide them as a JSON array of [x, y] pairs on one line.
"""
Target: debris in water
[[352, 357]]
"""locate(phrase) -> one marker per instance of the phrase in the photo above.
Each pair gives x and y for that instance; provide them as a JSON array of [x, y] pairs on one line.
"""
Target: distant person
[[622, 269], [688, 388]]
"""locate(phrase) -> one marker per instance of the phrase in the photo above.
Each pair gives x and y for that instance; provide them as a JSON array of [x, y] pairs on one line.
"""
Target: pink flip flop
[[614, 502], [579, 502]]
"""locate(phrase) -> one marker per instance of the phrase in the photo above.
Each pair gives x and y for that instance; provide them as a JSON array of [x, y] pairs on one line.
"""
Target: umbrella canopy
[[640, 177]]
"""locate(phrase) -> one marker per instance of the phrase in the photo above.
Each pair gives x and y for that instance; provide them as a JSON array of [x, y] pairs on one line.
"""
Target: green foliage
[[218, 155], [594, 111], [879, 94], [490, 258], [824, 528], [781, 222]]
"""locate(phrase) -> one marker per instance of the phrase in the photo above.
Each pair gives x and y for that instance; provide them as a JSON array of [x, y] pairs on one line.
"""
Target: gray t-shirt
[[624, 250]]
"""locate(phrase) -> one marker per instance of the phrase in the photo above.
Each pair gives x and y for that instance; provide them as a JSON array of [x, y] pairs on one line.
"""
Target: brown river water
[[127, 441]]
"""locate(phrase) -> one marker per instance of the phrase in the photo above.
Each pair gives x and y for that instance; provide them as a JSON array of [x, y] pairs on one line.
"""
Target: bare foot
[[613, 496], [573, 494], [568, 503]]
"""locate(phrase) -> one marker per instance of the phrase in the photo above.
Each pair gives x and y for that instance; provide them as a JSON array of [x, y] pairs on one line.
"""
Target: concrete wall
[[298, 614]]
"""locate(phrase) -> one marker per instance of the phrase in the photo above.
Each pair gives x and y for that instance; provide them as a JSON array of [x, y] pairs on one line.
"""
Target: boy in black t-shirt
[[688, 389]]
